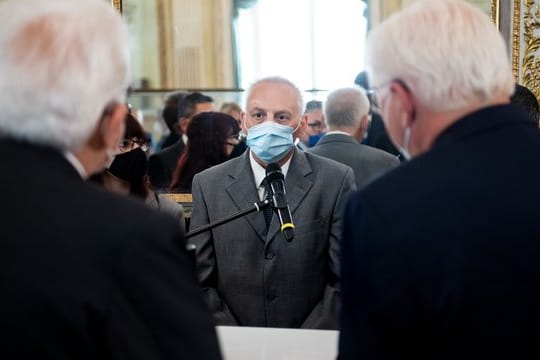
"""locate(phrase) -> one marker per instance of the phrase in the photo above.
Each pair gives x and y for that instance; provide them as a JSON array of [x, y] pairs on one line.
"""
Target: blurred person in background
[[161, 165], [316, 124], [233, 109], [527, 102], [212, 139], [170, 116], [127, 172]]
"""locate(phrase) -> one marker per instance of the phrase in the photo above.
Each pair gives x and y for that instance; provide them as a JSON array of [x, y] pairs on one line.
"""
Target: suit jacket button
[[269, 256]]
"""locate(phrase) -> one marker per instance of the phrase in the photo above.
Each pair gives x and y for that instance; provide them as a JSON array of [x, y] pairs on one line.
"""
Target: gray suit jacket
[[254, 277], [366, 161]]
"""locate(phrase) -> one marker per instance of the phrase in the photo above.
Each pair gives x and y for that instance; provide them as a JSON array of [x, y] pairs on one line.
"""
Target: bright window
[[317, 44]]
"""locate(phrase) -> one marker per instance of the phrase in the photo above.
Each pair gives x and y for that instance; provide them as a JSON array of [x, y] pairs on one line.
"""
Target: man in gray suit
[[250, 274], [347, 115]]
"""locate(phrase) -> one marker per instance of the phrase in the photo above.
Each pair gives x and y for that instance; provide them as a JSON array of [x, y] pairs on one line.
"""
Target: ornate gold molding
[[516, 37], [496, 12], [530, 65], [117, 4]]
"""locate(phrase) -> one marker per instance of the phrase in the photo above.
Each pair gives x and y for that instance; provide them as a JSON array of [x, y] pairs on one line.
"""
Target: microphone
[[277, 182]]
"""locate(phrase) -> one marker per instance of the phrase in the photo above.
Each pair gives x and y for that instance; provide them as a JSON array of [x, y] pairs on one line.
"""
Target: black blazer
[[85, 274], [162, 164], [441, 257]]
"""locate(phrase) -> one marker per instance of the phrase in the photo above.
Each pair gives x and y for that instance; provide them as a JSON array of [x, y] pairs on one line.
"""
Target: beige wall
[[182, 43]]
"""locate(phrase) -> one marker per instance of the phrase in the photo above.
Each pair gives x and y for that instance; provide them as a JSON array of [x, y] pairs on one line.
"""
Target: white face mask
[[406, 140], [270, 141]]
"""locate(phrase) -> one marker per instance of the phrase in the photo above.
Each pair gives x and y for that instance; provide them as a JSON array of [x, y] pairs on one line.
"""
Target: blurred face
[[231, 142], [315, 122], [203, 107], [274, 102], [236, 115], [199, 108]]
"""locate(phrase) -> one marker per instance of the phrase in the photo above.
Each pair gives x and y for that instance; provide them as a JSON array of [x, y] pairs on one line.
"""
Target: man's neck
[[429, 125]]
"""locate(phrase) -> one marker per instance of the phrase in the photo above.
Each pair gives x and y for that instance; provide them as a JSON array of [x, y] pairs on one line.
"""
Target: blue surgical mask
[[270, 141]]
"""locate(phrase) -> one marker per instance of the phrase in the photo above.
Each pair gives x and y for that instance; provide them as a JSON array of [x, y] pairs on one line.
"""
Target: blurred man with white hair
[[347, 115], [440, 257], [84, 274]]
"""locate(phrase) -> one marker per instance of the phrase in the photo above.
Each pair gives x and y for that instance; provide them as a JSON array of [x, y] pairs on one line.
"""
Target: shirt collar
[[72, 159], [259, 173], [338, 132]]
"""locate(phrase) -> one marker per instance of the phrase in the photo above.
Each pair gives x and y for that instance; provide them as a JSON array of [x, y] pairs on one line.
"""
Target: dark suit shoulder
[[319, 161]]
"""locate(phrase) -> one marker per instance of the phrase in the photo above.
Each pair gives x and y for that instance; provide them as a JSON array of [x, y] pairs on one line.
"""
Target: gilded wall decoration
[[117, 4], [530, 42]]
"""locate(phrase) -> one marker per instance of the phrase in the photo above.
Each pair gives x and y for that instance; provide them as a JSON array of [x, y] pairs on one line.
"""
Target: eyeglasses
[[234, 139], [315, 124], [131, 144], [374, 97]]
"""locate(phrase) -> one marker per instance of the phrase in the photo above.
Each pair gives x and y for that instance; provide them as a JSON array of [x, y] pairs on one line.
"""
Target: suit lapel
[[297, 186], [243, 193]]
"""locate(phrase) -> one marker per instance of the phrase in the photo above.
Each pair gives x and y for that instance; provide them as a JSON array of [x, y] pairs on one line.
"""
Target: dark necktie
[[268, 211]]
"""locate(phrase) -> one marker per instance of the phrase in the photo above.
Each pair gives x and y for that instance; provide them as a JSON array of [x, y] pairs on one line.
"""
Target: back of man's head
[[170, 111], [61, 63], [345, 107], [313, 105], [525, 99], [188, 105], [447, 51]]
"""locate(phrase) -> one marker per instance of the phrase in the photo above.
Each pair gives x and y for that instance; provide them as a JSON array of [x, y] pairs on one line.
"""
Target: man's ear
[[407, 102], [112, 126], [301, 129], [183, 124]]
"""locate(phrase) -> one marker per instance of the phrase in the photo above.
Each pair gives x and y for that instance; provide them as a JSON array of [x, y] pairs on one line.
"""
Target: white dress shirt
[[259, 173]]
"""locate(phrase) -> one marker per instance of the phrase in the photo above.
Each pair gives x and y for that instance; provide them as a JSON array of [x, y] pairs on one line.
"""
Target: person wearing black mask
[[127, 172]]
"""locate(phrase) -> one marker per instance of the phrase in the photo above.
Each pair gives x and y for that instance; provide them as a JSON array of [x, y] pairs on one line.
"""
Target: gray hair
[[447, 51], [61, 63], [278, 80], [346, 107]]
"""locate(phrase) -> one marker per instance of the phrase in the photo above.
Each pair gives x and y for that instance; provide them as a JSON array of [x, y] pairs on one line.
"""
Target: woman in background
[[127, 173], [212, 139]]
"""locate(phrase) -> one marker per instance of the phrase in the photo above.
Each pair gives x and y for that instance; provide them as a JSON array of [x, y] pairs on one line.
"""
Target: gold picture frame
[[117, 4], [526, 44]]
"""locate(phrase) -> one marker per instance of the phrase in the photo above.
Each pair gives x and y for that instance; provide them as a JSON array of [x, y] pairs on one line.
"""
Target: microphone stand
[[258, 206]]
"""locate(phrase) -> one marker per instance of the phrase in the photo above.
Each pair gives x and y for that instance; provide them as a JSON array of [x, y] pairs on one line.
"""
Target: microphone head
[[273, 172]]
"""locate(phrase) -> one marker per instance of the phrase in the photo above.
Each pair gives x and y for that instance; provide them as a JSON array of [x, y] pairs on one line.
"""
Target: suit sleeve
[[206, 261], [159, 311], [325, 313], [378, 310]]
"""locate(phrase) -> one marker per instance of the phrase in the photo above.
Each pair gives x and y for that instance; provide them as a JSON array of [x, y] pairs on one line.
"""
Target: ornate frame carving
[[117, 4], [527, 32], [496, 12]]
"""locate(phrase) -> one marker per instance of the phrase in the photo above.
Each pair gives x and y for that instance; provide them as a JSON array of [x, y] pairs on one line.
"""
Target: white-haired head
[[277, 80], [345, 107], [61, 63], [447, 51]]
